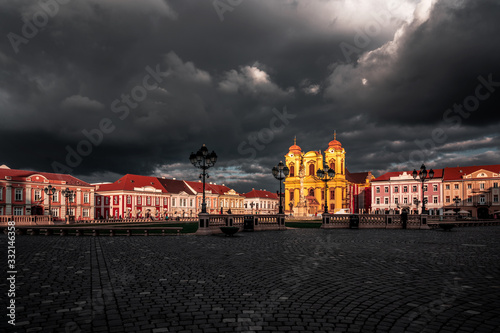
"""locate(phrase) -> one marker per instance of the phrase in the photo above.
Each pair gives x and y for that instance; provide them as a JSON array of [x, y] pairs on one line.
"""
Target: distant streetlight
[[325, 175], [68, 194], [457, 200], [422, 175], [203, 160], [50, 191], [280, 172]]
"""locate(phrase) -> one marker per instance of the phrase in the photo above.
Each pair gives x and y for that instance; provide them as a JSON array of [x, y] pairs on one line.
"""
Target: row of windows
[[469, 186], [405, 188], [18, 196], [55, 212], [482, 199], [312, 168], [406, 200], [261, 205]]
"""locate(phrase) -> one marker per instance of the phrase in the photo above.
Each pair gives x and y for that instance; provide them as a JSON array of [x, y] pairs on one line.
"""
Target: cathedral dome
[[294, 148], [334, 143]]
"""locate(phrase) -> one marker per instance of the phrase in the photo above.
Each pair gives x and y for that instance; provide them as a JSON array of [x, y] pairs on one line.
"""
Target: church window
[[311, 169], [292, 171]]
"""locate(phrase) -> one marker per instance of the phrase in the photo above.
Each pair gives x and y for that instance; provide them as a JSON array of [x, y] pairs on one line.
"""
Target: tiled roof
[[457, 172], [438, 173], [175, 186], [129, 182], [21, 175], [356, 177], [261, 194]]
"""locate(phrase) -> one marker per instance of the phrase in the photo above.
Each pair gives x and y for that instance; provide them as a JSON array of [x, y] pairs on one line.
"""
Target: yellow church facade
[[305, 193]]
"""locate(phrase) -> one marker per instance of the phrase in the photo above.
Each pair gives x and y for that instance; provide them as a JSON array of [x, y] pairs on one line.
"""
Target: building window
[[311, 169], [456, 186], [377, 189], [469, 199], [435, 187], [291, 195], [1, 194], [18, 211], [165, 202], [115, 199], [38, 195], [86, 198], [106, 200], [414, 188], [191, 202], [386, 189], [448, 199], [55, 197], [386, 201], [292, 171], [378, 201], [495, 185], [447, 186], [129, 200], [19, 194], [148, 201], [322, 195], [435, 200], [98, 200], [482, 199], [55, 212], [332, 194], [139, 200], [71, 211], [495, 198], [425, 188], [405, 200], [157, 201], [405, 189], [469, 186], [173, 202], [85, 212], [481, 186], [396, 200]]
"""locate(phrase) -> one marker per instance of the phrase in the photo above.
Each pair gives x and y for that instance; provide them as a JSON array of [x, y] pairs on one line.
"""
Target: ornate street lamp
[[50, 190], [68, 194], [203, 160], [423, 176], [325, 175], [457, 200], [280, 172]]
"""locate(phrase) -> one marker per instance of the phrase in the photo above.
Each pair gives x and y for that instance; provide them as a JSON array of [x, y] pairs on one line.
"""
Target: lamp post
[[50, 190], [416, 202], [203, 160], [68, 194], [280, 172], [423, 176], [456, 200], [325, 175]]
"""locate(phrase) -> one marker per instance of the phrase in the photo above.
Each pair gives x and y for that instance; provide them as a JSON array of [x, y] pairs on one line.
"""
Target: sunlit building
[[305, 194]]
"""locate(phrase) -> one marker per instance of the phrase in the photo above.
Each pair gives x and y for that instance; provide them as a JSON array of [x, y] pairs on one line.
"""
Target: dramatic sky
[[101, 88]]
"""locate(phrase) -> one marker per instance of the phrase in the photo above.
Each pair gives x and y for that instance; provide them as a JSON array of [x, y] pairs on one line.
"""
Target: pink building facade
[[395, 191]]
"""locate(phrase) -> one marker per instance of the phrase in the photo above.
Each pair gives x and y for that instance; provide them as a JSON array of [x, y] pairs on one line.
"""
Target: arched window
[[311, 191], [332, 194], [311, 169], [291, 195], [332, 165], [292, 171], [342, 167]]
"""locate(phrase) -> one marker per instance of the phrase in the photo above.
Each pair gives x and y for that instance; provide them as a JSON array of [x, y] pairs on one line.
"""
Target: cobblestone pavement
[[300, 280]]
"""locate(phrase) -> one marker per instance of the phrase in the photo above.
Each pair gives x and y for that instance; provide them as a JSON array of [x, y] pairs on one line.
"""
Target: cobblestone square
[[299, 280]]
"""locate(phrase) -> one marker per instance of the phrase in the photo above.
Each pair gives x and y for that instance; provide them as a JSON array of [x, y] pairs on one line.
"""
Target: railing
[[27, 219], [211, 223]]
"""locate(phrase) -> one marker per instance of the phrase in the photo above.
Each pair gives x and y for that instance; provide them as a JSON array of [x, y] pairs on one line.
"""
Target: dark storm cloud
[[168, 76]]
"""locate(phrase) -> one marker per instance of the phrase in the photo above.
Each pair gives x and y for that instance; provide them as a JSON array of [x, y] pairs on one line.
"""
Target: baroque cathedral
[[305, 192]]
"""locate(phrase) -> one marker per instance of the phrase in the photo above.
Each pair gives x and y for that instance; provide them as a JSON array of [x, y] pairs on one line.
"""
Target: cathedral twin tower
[[305, 193]]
